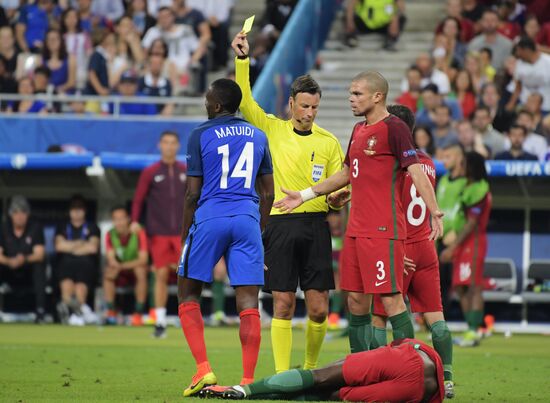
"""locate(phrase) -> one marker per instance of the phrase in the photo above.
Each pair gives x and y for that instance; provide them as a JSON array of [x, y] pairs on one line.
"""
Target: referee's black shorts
[[298, 250]]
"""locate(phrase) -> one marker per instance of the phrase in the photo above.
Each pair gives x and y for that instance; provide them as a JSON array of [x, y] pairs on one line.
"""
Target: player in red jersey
[[421, 285], [380, 152], [469, 249], [406, 371]]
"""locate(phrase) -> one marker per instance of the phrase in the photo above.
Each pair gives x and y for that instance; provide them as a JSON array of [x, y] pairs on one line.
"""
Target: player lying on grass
[[407, 370]]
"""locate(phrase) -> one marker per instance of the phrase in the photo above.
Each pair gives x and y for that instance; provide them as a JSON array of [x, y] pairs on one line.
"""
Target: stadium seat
[[502, 273], [539, 270]]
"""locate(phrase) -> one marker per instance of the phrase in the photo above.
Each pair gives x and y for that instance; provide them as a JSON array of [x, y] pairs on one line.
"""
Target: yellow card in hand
[[247, 26]]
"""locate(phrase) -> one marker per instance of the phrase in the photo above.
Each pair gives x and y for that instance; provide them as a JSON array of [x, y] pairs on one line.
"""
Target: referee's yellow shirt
[[298, 161]]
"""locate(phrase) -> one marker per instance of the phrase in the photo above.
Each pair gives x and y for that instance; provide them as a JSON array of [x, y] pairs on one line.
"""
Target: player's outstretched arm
[[192, 196], [266, 191], [295, 199], [426, 190]]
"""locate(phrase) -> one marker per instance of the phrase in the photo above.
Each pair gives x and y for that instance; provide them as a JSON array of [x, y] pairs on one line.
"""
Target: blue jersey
[[229, 153]]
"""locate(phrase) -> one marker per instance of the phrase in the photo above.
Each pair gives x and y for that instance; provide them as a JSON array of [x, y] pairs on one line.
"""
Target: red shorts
[[421, 286], [165, 250], [372, 265], [392, 374], [468, 262]]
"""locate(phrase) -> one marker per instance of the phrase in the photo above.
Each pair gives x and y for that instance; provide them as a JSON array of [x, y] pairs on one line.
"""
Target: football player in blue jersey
[[228, 201]]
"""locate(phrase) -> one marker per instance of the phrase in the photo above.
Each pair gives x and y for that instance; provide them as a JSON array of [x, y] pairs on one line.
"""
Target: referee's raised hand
[[240, 44]]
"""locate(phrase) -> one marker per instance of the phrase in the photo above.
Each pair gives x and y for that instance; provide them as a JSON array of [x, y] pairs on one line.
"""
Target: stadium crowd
[[129, 48], [486, 82]]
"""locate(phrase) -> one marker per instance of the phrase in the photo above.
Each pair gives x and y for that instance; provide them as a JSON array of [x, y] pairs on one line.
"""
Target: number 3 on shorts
[[381, 272]]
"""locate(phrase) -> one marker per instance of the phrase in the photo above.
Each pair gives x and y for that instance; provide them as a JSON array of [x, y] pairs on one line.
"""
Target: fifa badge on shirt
[[317, 172], [371, 142]]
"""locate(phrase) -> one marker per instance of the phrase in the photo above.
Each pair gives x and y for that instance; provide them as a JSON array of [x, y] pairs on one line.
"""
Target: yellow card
[[247, 26]]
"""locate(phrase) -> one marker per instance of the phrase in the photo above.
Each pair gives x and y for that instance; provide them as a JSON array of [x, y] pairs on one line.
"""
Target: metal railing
[[114, 100]]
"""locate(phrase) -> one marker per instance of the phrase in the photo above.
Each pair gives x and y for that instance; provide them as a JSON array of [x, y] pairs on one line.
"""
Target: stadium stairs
[[339, 63]]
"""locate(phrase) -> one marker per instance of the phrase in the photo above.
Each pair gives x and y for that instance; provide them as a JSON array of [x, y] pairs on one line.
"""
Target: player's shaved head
[[375, 82], [224, 95], [404, 113]]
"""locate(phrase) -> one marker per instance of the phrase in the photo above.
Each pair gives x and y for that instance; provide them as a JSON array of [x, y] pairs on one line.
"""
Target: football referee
[[297, 246]]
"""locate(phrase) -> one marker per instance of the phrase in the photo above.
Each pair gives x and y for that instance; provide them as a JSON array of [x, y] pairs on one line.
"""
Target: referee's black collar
[[302, 132]]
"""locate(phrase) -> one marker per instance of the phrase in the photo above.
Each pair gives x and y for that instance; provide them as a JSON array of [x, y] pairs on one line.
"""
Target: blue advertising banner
[[96, 135]]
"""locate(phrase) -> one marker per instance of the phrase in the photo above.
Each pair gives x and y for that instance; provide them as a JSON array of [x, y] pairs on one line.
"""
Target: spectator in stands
[[170, 70], [519, 12], [8, 50], [488, 72], [510, 29], [155, 84], [129, 54], [78, 44], [456, 49], [541, 35], [410, 97], [110, 10], [463, 92], [474, 68], [10, 8], [153, 6], [98, 70], [469, 139], [516, 137], [77, 248], [89, 21], [430, 75], [26, 87], [491, 138], [532, 74], [3, 18], [162, 185], [183, 44], [22, 254], [534, 106], [189, 16], [454, 10], [128, 87], [41, 80], [534, 143], [501, 118], [7, 84], [431, 99], [62, 65], [127, 258], [32, 25], [137, 10], [423, 140], [276, 15], [365, 16], [490, 38], [473, 11], [443, 132], [218, 14]]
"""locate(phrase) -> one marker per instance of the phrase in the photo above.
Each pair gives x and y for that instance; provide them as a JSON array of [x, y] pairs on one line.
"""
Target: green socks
[[443, 344], [360, 332], [218, 296], [110, 306], [336, 302], [379, 338], [474, 319], [140, 307], [402, 326], [295, 380]]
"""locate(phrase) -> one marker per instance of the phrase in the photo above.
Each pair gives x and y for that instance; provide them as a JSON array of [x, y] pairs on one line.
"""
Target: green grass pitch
[[54, 363]]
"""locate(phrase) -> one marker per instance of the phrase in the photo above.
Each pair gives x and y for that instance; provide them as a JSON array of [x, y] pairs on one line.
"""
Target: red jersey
[[480, 212], [377, 157], [418, 217]]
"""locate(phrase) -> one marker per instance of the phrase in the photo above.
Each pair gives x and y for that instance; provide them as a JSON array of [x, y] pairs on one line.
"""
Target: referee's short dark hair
[[306, 84], [169, 133], [228, 93], [404, 113]]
